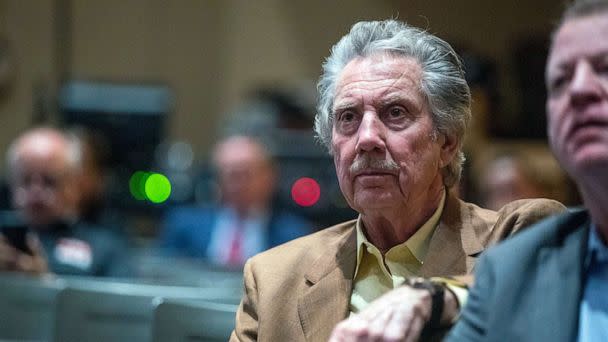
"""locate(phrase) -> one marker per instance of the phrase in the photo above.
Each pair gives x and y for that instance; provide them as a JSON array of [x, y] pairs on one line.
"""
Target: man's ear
[[449, 148]]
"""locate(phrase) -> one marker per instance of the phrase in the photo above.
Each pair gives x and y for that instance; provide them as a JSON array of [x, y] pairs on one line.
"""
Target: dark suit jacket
[[529, 288], [299, 291], [187, 230], [109, 250]]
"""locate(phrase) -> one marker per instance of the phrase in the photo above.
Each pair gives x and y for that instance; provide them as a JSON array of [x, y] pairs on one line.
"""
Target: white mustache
[[366, 162]]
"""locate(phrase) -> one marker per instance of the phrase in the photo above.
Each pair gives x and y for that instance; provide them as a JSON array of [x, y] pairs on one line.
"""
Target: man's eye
[[602, 69], [346, 117], [556, 84], [396, 112]]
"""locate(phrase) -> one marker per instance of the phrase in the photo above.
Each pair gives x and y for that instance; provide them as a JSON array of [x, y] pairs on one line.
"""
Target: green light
[[157, 188], [137, 184]]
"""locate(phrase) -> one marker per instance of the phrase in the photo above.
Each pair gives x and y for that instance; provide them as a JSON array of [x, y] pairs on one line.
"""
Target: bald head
[[246, 173], [43, 163]]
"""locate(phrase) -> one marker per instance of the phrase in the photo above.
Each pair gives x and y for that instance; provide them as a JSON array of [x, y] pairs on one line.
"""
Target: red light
[[305, 192]]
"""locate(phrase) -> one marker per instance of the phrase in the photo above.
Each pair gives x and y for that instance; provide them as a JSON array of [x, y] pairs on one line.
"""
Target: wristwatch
[[437, 291]]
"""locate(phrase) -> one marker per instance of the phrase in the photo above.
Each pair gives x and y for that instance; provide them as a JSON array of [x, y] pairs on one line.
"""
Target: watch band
[[437, 292]]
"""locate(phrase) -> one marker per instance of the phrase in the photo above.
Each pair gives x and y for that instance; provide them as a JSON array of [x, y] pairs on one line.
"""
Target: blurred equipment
[[131, 117]]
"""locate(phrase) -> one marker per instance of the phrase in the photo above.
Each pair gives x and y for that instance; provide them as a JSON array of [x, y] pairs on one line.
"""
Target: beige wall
[[28, 26], [211, 51]]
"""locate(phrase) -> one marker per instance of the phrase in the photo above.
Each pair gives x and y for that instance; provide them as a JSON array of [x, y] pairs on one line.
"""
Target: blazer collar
[[325, 300], [455, 243]]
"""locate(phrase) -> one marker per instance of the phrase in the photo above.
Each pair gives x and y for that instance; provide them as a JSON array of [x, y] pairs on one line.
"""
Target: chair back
[[27, 306], [178, 320]]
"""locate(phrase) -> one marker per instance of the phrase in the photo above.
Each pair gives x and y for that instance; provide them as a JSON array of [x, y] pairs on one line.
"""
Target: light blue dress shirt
[[593, 315]]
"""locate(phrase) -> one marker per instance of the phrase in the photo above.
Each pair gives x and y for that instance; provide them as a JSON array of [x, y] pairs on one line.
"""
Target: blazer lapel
[[568, 283], [454, 245], [552, 289], [325, 302]]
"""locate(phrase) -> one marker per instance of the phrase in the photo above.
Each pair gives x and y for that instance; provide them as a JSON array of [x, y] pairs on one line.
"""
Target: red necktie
[[235, 256]]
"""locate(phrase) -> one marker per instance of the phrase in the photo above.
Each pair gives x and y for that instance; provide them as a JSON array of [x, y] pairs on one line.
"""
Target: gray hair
[[443, 81], [73, 153], [583, 8]]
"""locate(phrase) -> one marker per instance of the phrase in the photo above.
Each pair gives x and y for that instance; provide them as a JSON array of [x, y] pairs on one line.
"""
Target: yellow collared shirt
[[377, 274]]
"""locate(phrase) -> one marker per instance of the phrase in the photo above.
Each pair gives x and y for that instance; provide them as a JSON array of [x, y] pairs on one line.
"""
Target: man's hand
[[12, 259], [399, 315]]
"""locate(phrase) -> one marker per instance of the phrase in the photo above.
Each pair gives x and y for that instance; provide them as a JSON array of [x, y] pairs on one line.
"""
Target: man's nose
[[371, 135], [586, 85]]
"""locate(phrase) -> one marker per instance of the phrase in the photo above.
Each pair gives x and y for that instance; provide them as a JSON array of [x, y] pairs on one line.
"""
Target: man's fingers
[[35, 263], [34, 244], [352, 329], [397, 327], [25, 262], [377, 327], [414, 330], [8, 254]]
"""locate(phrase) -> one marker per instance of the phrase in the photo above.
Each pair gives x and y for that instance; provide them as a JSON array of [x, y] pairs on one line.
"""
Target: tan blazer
[[300, 290]]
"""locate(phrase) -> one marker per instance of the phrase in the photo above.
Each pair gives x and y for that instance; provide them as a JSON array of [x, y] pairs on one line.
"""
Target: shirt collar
[[597, 251], [418, 244]]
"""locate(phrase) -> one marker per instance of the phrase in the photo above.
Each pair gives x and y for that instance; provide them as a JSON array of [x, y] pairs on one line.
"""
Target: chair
[[185, 272], [97, 310], [27, 306], [178, 320]]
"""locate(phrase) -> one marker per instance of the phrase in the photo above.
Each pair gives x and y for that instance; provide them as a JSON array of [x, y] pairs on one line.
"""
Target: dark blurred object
[[481, 72], [529, 57], [294, 110], [5, 195], [7, 67], [482, 76], [132, 119], [14, 231]]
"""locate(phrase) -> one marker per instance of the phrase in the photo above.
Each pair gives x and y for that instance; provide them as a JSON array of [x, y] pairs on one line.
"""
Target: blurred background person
[[510, 174], [44, 168], [245, 222]]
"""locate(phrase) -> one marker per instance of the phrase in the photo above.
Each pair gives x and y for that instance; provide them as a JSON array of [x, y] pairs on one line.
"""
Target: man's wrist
[[438, 296], [451, 307]]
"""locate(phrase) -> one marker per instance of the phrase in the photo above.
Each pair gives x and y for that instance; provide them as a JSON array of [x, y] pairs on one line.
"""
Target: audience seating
[[193, 320], [186, 300], [27, 306], [185, 272]]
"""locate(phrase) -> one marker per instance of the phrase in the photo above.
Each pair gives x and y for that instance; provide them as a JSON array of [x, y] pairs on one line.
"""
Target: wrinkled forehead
[[578, 38], [379, 65]]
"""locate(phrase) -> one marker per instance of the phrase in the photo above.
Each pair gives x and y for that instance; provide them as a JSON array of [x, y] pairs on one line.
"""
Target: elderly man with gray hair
[[393, 110]]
